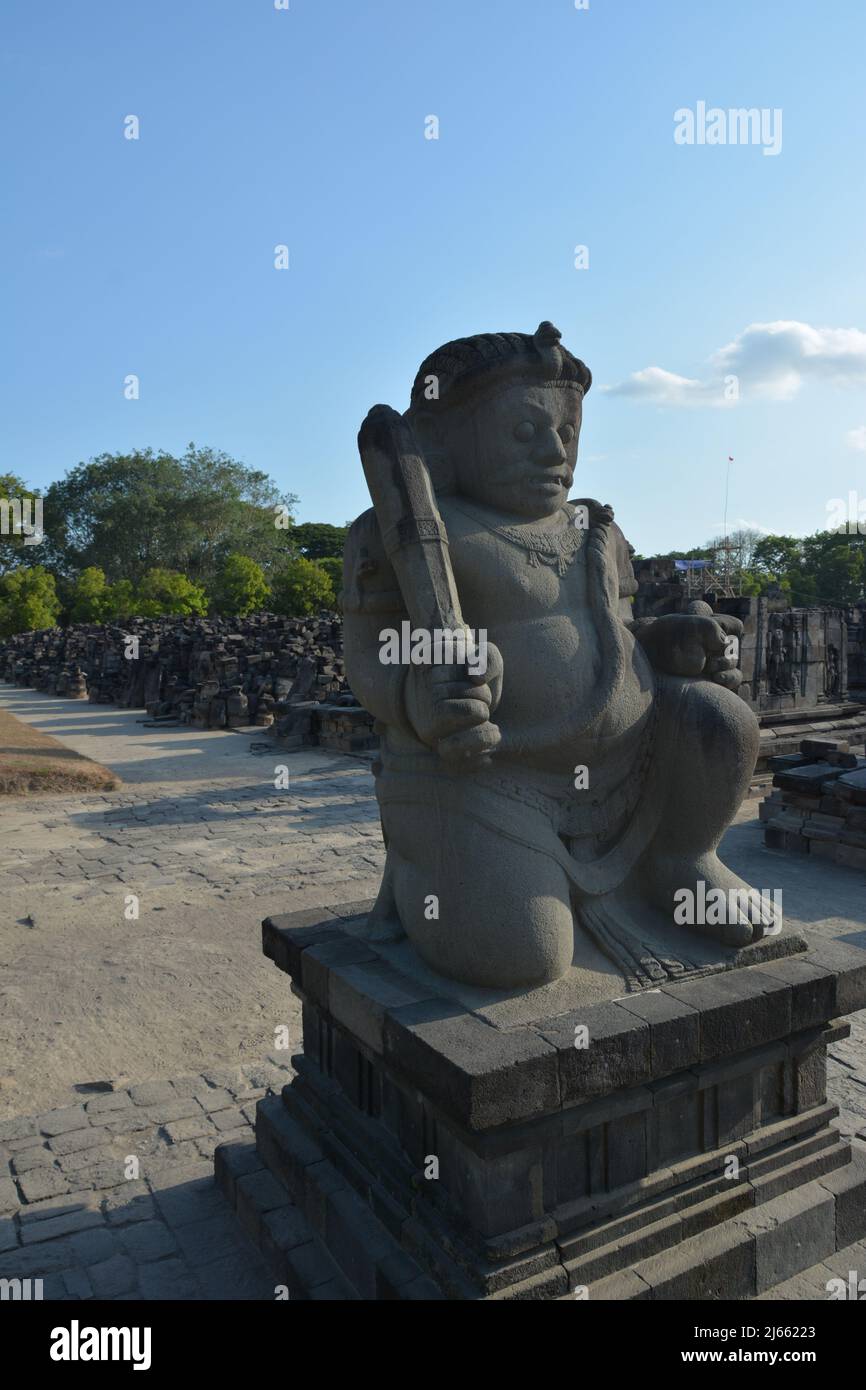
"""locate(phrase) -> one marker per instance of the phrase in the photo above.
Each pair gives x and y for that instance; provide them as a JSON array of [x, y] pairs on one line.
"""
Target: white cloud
[[772, 361], [665, 388], [856, 439]]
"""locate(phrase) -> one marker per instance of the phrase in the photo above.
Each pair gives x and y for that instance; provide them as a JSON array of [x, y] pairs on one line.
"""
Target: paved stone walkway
[[114, 1198], [89, 992], [217, 824], [201, 836]]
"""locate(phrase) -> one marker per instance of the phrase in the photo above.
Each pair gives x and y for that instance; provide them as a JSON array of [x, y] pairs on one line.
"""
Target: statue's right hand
[[449, 708]]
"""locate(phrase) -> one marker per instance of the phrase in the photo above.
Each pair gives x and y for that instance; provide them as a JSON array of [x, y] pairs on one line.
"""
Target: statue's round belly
[[552, 672]]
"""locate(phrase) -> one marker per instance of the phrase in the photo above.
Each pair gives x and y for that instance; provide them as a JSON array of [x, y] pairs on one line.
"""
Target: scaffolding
[[717, 575], [727, 577]]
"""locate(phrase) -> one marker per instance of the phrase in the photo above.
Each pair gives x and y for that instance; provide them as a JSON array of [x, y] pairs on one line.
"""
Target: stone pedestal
[[445, 1146]]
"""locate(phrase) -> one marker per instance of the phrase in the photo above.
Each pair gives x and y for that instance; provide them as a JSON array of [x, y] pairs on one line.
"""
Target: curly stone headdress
[[467, 365]]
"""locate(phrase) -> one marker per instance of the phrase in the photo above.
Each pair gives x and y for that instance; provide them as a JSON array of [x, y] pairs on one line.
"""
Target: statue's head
[[498, 416]]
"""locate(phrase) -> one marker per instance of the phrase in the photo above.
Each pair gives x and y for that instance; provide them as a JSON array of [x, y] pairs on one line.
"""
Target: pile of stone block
[[48, 660], [344, 726], [209, 672], [347, 729], [857, 649], [818, 803]]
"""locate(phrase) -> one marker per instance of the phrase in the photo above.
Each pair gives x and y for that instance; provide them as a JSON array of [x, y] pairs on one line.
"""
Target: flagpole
[[727, 490]]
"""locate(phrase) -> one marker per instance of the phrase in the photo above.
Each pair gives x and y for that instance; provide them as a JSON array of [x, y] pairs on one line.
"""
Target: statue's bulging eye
[[525, 431], [566, 434]]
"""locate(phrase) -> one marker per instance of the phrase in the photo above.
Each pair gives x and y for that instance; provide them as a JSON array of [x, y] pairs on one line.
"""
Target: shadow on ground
[[180, 1240]]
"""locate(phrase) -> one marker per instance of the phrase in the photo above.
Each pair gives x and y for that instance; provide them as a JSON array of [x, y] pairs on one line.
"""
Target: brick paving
[[232, 842], [114, 1198]]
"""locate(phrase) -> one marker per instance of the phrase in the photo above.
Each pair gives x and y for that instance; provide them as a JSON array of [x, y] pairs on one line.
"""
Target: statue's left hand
[[688, 644]]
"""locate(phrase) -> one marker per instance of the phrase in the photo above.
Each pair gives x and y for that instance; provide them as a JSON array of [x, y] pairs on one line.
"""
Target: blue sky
[[261, 127]]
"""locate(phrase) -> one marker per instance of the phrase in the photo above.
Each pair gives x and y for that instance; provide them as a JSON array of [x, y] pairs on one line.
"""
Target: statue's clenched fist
[[449, 708], [690, 644]]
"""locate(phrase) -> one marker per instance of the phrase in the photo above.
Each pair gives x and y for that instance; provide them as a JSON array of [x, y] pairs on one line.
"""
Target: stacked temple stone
[[857, 649], [51, 660], [341, 725], [818, 805], [213, 673], [800, 666]]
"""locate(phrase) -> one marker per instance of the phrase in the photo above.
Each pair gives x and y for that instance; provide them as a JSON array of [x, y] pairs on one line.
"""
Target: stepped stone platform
[[782, 733], [444, 1147]]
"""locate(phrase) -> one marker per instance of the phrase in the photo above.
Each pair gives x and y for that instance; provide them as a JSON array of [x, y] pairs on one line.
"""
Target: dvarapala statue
[[585, 773]]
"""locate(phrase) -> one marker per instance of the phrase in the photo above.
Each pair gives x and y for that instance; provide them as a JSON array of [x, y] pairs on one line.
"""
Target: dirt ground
[[33, 763]]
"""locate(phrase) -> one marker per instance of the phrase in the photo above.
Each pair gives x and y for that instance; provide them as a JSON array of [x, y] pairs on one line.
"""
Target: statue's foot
[[383, 923], [708, 898], [386, 927]]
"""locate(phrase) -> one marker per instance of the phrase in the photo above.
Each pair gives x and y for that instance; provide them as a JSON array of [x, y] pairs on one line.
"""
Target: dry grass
[[34, 764]]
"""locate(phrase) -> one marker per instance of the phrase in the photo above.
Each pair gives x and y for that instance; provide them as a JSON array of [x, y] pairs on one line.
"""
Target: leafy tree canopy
[[241, 587], [90, 599], [130, 513], [165, 591], [301, 588], [334, 570], [28, 600], [317, 540]]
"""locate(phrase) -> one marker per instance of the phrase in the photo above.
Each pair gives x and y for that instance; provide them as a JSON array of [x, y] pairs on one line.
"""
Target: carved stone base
[[686, 1151]]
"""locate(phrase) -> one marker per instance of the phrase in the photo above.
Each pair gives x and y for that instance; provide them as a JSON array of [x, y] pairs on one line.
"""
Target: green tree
[[836, 563], [777, 555], [318, 540], [121, 601], [90, 600], [165, 591], [301, 588], [334, 570], [240, 587], [28, 600], [129, 513]]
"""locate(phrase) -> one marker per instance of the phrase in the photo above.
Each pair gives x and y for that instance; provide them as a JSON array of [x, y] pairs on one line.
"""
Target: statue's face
[[516, 452]]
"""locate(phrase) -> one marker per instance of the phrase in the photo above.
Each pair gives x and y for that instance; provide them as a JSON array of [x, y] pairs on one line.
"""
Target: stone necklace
[[555, 548]]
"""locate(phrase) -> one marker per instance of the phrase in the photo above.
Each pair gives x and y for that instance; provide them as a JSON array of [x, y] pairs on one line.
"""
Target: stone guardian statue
[[562, 798]]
